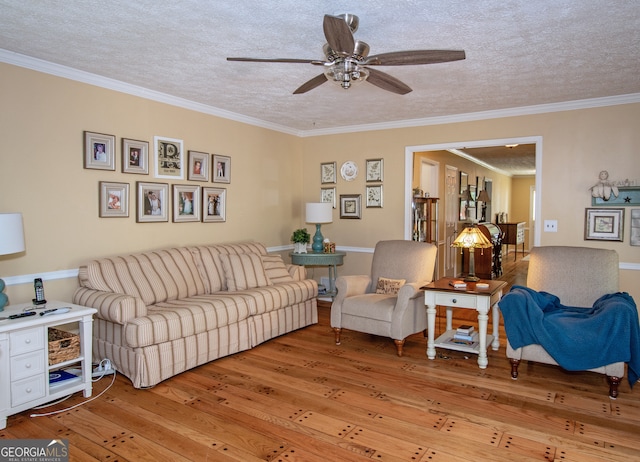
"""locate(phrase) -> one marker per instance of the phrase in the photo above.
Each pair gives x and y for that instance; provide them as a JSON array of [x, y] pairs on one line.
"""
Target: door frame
[[409, 152]]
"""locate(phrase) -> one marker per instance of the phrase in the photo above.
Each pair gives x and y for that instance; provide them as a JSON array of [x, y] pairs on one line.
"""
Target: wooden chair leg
[[399, 345], [336, 331], [613, 386], [514, 368]]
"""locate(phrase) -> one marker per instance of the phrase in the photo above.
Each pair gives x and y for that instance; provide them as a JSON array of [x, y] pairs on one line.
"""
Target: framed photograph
[[464, 182], [374, 196], [114, 200], [99, 151], [328, 172], [198, 166], [221, 169], [604, 224], [374, 169], [350, 205], [152, 202], [328, 195], [186, 203], [169, 158], [214, 205], [635, 227], [135, 156]]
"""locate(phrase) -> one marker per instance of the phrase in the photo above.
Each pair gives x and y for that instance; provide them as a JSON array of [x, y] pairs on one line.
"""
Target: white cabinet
[[25, 362]]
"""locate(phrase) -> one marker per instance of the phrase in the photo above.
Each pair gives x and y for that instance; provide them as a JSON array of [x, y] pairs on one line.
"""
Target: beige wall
[[521, 206], [273, 174]]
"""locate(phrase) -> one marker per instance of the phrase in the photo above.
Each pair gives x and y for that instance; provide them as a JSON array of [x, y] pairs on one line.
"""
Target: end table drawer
[[23, 341], [453, 299], [27, 365], [25, 390]]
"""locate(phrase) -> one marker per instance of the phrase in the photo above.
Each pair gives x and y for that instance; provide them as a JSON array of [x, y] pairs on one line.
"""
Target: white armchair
[[358, 307], [578, 276]]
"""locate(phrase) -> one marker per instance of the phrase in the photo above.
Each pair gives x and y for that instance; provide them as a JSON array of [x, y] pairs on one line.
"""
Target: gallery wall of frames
[[172, 195]]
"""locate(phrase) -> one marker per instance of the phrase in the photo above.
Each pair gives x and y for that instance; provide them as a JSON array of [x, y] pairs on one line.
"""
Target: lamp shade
[[472, 237], [319, 212], [11, 233], [484, 196]]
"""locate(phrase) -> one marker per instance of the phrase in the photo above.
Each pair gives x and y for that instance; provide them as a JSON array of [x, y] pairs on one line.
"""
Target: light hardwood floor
[[300, 397]]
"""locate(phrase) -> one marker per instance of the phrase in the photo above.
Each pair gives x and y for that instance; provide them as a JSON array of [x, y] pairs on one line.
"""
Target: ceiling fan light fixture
[[346, 73]]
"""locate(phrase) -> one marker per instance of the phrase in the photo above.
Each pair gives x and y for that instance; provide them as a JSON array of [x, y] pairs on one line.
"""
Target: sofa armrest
[[117, 308], [297, 272]]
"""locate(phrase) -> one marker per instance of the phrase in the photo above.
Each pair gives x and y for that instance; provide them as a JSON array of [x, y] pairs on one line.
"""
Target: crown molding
[[47, 67]]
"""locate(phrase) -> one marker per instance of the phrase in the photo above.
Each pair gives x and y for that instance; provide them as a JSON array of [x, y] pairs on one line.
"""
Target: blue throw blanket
[[577, 338]]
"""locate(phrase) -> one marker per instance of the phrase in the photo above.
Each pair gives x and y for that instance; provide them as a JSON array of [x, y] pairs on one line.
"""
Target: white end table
[[441, 293]]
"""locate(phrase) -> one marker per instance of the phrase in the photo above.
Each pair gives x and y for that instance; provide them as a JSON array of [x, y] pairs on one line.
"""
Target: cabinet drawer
[[25, 390], [23, 341], [459, 300], [27, 364]]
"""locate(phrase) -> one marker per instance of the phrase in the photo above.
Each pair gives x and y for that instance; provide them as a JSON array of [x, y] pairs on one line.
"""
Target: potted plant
[[300, 239]]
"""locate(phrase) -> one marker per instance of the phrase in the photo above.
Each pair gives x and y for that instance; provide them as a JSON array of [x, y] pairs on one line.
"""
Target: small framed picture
[[221, 169], [374, 169], [374, 196], [99, 151], [186, 203], [635, 227], [135, 156], [328, 195], [168, 158], [198, 166], [214, 205], [328, 173], [114, 200], [350, 205], [152, 202], [604, 224]]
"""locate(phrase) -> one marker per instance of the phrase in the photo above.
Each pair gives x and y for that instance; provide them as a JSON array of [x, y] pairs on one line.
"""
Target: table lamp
[[484, 198], [318, 213], [471, 238], [11, 241]]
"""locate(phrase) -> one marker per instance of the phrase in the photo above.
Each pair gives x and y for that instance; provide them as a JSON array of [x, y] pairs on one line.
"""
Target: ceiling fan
[[348, 61]]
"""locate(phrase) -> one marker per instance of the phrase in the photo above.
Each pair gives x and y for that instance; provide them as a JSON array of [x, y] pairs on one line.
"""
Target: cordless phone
[[39, 288]]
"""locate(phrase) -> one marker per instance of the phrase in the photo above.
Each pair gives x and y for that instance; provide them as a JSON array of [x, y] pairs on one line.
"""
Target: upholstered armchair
[[402, 266], [578, 276]]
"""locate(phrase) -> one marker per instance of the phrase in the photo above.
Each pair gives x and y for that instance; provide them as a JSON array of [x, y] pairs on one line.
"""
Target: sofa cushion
[[276, 269], [154, 276], [244, 271]]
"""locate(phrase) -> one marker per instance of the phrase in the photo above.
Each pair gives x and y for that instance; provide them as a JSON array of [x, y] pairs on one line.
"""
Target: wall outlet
[[550, 226]]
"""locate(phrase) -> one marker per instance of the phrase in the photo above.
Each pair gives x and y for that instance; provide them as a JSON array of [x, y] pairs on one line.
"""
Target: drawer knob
[[27, 341], [454, 300], [28, 365], [29, 390]]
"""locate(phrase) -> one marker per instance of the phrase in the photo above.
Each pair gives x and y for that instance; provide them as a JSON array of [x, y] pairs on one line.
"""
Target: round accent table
[[330, 260]]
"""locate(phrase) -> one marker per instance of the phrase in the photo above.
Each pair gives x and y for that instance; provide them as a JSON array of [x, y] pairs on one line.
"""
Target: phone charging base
[[36, 302]]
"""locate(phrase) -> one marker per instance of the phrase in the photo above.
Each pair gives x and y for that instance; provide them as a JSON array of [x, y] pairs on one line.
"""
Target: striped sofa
[[166, 311]]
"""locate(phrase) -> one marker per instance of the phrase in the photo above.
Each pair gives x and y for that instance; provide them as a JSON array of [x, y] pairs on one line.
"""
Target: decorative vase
[[299, 247]]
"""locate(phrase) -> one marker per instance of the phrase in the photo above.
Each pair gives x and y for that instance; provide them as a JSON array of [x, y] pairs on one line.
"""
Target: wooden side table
[[442, 293], [330, 260]]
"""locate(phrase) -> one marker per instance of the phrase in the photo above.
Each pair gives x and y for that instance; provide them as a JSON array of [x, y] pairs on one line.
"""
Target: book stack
[[466, 333], [458, 283]]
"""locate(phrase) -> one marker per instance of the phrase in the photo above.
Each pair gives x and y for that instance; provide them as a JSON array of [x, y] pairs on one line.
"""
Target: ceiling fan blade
[[277, 60], [400, 58], [387, 82], [311, 84], [338, 35]]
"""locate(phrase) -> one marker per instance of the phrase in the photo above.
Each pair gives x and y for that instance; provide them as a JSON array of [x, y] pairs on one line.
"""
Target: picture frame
[[114, 200], [221, 169], [214, 205], [350, 206], [604, 224], [99, 151], [328, 195], [135, 156], [152, 202], [464, 182], [186, 203], [374, 196], [635, 227], [328, 173], [374, 170], [198, 166], [168, 158]]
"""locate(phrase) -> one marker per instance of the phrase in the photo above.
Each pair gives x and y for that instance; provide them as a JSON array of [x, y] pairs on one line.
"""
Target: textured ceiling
[[519, 53]]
